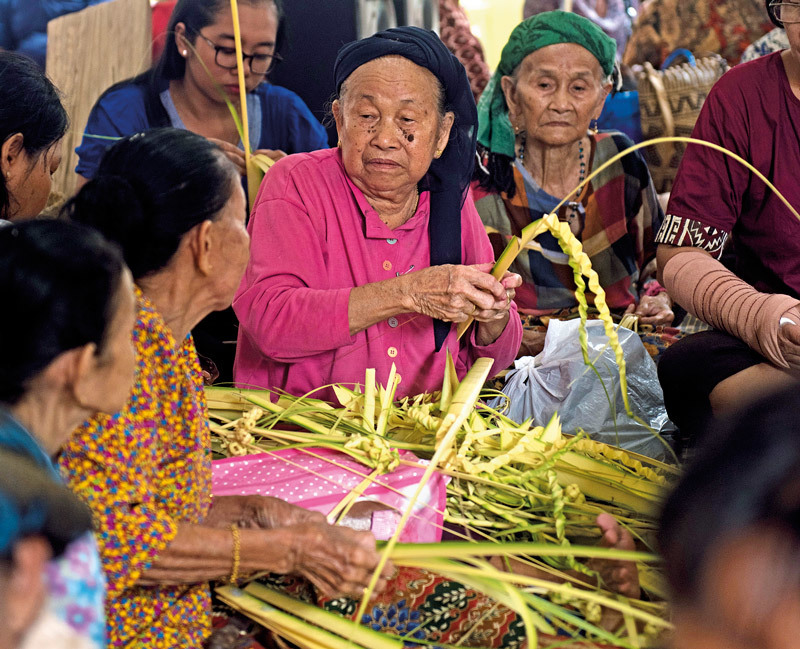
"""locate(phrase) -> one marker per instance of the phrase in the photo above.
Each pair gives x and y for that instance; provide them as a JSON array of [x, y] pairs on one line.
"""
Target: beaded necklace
[[574, 204]]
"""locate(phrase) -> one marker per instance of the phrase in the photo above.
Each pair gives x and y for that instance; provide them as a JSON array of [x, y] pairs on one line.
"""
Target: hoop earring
[[594, 128]]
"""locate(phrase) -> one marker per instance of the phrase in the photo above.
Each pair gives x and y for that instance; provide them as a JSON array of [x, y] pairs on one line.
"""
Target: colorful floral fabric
[[144, 471], [424, 608], [76, 589]]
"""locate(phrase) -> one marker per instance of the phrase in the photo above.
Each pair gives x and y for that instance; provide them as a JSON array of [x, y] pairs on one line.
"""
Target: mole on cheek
[[410, 137]]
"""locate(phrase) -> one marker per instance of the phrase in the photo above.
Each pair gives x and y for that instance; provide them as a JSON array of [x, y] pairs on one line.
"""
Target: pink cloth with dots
[[318, 479]]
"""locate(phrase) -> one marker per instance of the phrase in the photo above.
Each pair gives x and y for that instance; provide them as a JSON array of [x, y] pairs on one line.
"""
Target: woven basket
[[670, 101]]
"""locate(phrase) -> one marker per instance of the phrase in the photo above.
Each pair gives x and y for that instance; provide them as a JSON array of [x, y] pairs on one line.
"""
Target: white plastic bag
[[558, 380]]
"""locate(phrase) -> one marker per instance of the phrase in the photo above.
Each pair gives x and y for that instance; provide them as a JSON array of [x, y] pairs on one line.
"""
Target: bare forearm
[[200, 553], [337, 560], [372, 303], [226, 510], [489, 332], [264, 512]]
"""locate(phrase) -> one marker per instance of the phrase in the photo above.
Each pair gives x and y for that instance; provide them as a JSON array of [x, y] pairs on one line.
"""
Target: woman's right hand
[[337, 560], [233, 153]]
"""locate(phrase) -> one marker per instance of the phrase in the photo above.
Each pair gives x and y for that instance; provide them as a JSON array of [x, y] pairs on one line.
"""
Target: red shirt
[[752, 112]]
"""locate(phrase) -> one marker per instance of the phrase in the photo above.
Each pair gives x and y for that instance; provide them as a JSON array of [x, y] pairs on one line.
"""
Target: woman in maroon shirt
[[751, 300]]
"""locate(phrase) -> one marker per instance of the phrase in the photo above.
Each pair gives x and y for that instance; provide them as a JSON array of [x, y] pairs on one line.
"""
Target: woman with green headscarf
[[536, 145]]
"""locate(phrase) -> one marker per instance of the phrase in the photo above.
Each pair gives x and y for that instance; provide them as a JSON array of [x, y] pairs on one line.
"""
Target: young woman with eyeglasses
[[188, 88], [753, 301], [195, 75]]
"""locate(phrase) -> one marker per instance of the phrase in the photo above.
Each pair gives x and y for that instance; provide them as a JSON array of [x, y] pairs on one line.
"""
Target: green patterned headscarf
[[549, 28]]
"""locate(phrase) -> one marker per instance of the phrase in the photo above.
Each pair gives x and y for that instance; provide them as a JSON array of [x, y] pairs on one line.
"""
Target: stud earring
[[438, 154], [339, 144], [185, 52]]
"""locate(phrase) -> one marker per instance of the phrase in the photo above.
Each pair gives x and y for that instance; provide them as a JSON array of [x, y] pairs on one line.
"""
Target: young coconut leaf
[[462, 404]]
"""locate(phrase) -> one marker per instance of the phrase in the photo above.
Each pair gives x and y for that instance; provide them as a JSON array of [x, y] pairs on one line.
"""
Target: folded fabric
[[319, 478]]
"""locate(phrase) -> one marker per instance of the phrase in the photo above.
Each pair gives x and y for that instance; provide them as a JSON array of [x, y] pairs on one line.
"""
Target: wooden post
[[87, 52]]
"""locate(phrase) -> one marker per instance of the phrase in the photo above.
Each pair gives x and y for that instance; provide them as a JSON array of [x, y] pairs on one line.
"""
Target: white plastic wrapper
[[557, 380]]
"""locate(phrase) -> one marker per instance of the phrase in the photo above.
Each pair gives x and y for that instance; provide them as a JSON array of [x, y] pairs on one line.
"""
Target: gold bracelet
[[237, 549]]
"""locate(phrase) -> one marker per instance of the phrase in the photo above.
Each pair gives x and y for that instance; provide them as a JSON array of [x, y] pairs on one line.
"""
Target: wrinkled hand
[[789, 339], [275, 154], [654, 310], [455, 293], [268, 513], [337, 560], [233, 153]]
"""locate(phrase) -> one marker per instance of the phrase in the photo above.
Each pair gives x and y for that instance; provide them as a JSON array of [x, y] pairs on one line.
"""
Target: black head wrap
[[448, 176]]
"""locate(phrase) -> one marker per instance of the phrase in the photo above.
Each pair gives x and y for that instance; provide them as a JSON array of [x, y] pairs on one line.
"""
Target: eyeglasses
[[225, 57], [786, 12]]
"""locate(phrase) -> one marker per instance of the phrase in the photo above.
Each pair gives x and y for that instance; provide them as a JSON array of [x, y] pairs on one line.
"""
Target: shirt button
[[387, 265], [392, 351], [391, 242], [393, 322]]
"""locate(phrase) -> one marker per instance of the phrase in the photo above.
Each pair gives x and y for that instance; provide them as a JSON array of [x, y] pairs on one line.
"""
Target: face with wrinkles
[[390, 125], [555, 93]]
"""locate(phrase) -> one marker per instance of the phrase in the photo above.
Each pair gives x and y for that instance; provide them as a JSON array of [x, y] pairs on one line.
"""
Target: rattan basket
[[670, 101]]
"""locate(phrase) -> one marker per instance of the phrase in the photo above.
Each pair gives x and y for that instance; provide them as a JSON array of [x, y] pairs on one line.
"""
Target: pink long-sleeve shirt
[[314, 238]]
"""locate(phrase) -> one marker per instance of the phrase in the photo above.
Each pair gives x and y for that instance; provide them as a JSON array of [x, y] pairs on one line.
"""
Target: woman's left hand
[[493, 321], [268, 513], [499, 310], [654, 310], [258, 512]]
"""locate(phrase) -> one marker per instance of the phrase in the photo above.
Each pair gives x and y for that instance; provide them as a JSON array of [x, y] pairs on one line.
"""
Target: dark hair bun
[[112, 206]]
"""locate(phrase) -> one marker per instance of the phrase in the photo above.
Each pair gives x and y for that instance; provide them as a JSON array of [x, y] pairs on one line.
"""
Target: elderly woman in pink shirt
[[365, 255]]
